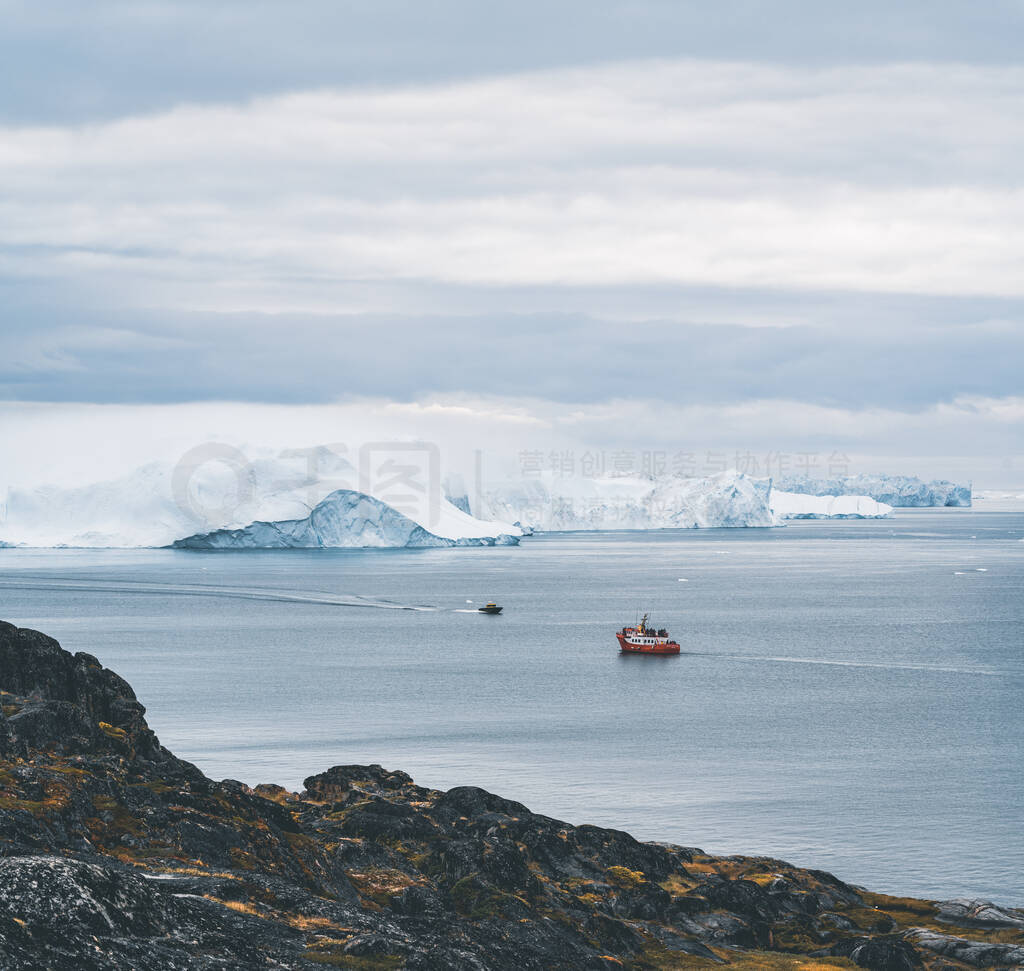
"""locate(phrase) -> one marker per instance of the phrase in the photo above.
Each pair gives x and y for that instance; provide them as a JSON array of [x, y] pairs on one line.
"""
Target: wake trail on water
[[884, 665], [202, 590]]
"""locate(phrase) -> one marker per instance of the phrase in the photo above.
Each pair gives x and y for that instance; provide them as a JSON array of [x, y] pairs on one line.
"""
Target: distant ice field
[[849, 695]]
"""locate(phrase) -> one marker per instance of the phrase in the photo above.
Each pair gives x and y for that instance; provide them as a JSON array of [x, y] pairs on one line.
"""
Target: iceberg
[[347, 518], [728, 499], [455, 492], [792, 505], [997, 495], [893, 490], [554, 504], [159, 504], [134, 510], [312, 498]]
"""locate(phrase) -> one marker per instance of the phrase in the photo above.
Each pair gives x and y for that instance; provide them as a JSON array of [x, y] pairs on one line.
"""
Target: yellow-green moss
[[381, 962], [477, 902], [658, 956], [379, 884], [111, 732], [624, 877]]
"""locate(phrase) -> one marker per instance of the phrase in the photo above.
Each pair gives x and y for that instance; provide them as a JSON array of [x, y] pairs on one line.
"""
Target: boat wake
[[144, 588], [884, 665]]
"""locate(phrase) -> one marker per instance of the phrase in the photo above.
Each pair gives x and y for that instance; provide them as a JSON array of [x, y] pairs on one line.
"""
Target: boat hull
[[628, 647], [489, 610]]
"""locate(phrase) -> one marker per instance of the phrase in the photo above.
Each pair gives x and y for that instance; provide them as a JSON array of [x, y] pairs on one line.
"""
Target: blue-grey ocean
[[850, 695]]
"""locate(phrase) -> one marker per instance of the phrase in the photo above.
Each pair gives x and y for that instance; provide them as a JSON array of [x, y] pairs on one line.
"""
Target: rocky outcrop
[[979, 913], [975, 954], [881, 953], [115, 854], [71, 703]]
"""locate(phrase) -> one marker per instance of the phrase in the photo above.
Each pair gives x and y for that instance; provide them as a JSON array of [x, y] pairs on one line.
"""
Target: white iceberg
[[893, 490], [159, 504], [1000, 500], [347, 518], [555, 504], [135, 510], [792, 505], [313, 498], [729, 499]]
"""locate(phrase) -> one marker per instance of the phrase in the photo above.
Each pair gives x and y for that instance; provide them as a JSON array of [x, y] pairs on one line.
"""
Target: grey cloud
[[68, 61], [795, 212], [897, 178], [887, 352]]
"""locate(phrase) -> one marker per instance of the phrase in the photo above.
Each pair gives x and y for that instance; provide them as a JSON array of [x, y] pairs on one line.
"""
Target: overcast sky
[[770, 226]]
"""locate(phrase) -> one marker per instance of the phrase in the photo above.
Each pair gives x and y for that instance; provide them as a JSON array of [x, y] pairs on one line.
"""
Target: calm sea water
[[850, 695]]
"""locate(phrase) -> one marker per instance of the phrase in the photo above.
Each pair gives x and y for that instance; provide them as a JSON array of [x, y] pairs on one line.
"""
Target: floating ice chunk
[[893, 490], [793, 505]]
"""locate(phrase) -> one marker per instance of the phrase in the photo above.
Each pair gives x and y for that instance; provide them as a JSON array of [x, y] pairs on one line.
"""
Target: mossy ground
[[296, 841], [656, 958]]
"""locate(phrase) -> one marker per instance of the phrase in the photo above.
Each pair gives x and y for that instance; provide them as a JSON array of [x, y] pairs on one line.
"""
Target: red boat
[[645, 640]]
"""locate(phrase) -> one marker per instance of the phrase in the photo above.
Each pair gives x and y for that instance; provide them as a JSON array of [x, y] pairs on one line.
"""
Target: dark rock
[[978, 954], [728, 930], [680, 945], [275, 793], [9, 748], [506, 867], [647, 901], [35, 667], [843, 923], [373, 945], [459, 859], [612, 934], [741, 896], [979, 913], [381, 819], [417, 901], [62, 727], [876, 954], [335, 784], [55, 893]]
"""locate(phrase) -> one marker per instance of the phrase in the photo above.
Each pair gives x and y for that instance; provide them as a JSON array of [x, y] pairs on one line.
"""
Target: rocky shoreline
[[116, 854]]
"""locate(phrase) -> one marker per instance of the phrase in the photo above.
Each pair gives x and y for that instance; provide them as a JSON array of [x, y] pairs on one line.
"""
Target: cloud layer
[[898, 178], [72, 61], [612, 211], [883, 359]]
